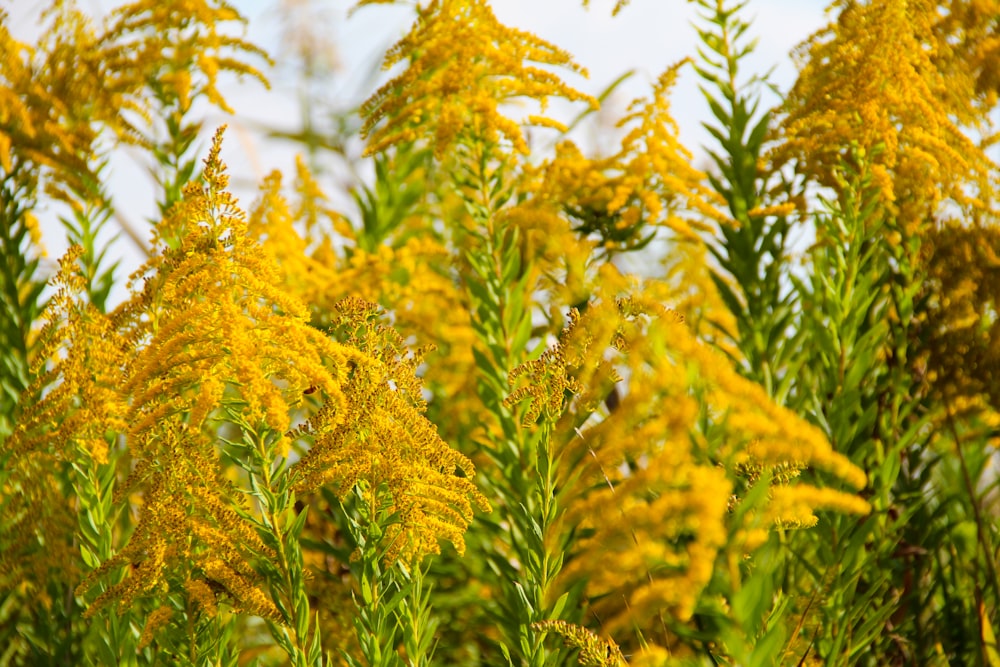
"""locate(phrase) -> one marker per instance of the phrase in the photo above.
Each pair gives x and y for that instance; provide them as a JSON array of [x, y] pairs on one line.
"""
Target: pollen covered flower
[[69, 410], [649, 182], [873, 84], [651, 475], [380, 439], [210, 344], [462, 66]]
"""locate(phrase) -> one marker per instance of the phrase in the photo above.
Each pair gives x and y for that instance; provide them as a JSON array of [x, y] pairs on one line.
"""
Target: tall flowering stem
[[259, 453], [752, 254], [499, 286]]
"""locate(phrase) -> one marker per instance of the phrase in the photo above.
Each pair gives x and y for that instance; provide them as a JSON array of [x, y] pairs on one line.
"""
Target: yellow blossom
[[379, 437], [961, 333], [874, 80], [594, 651], [463, 65], [210, 335], [651, 490], [78, 371], [156, 620], [648, 182]]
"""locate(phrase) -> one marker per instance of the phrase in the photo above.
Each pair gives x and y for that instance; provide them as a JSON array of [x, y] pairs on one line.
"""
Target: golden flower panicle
[[689, 286], [655, 487], [874, 81], [159, 45], [967, 52], [65, 417], [202, 596], [214, 309], [576, 365], [411, 275], [462, 66], [662, 529], [648, 182], [661, 523], [73, 400], [413, 281], [208, 331], [313, 203], [384, 441], [594, 651], [77, 73], [794, 506], [272, 222], [586, 190], [187, 519], [50, 102], [16, 121], [655, 162], [158, 619], [39, 525], [563, 260], [960, 337]]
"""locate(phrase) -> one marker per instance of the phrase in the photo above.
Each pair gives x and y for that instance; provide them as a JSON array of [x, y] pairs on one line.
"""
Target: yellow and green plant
[[442, 419]]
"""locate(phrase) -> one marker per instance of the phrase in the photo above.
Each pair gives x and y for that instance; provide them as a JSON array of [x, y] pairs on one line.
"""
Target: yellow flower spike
[[210, 330], [648, 182], [654, 493], [894, 79], [144, 38], [382, 440], [961, 332], [159, 618], [202, 596], [77, 373], [594, 651], [462, 66]]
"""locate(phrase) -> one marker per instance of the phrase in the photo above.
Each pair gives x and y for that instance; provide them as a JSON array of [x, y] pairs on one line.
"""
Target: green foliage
[[448, 427]]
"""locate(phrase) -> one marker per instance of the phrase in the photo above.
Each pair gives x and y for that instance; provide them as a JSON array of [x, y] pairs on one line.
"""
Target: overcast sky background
[[647, 36]]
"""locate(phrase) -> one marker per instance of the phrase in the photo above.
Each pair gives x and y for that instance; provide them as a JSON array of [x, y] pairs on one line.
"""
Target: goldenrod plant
[[446, 425]]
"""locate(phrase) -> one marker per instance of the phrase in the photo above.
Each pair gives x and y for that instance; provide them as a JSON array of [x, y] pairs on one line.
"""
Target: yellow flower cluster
[[37, 128], [594, 651], [689, 287], [380, 438], [56, 97], [78, 371], [649, 486], [961, 335], [967, 52], [564, 370], [272, 224], [793, 505], [563, 260], [209, 342], [649, 181], [410, 276], [463, 65], [873, 84], [156, 620], [178, 47]]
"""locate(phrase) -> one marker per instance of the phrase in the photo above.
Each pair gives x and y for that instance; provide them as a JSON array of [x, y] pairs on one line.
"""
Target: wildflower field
[[439, 417]]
